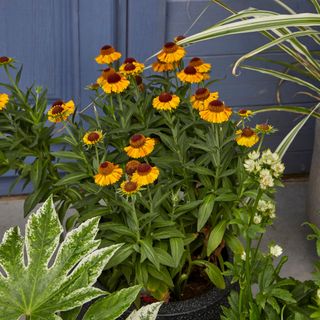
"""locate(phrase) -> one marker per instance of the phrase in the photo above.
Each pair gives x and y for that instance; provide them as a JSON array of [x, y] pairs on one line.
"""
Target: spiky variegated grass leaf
[[37, 289]]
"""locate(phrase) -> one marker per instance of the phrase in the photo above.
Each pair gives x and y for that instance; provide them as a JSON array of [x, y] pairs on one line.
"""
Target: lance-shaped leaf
[[47, 280]]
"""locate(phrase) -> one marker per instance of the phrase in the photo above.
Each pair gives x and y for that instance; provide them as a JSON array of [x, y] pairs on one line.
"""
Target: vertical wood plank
[[146, 27]]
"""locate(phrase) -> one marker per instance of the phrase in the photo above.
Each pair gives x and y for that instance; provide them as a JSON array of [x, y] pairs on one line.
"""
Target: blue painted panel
[[251, 88], [39, 34], [97, 21], [146, 27]]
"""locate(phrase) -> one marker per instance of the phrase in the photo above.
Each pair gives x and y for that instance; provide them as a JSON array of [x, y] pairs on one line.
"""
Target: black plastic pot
[[204, 307]]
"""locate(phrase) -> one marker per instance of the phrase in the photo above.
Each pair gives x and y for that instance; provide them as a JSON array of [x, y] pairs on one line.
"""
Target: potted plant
[[175, 174]]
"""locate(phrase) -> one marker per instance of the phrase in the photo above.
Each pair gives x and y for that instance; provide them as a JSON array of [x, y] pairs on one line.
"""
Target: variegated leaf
[[49, 280], [148, 312]]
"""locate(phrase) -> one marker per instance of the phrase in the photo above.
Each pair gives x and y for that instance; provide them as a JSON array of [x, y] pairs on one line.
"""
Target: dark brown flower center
[[216, 106], [165, 97], [170, 47], [202, 94], [4, 59], [178, 38], [107, 72], [114, 78], [93, 136], [138, 80], [129, 67], [243, 111], [195, 62], [137, 140], [144, 169], [130, 60], [105, 50], [57, 109], [264, 127], [132, 167], [130, 186], [247, 132], [106, 168], [190, 70]]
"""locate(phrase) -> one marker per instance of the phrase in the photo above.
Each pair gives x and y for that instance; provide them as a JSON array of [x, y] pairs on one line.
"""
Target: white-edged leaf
[[49, 281], [287, 140], [148, 312]]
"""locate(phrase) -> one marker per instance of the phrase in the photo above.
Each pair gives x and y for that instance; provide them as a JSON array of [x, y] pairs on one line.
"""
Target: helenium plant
[[43, 280]]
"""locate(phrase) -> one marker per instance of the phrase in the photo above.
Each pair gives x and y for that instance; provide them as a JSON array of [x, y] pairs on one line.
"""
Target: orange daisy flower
[[171, 52], [145, 174], [160, 66], [140, 146], [265, 128], [107, 55], [115, 83], [246, 137], [104, 76], [5, 60], [60, 111], [131, 67], [244, 113], [166, 101], [190, 75], [4, 99], [108, 173], [92, 137], [132, 167], [201, 96], [129, 187], [200, 65], [216, 112]]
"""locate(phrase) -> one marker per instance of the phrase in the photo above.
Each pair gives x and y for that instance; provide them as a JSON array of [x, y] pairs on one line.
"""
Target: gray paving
[[287, 230]]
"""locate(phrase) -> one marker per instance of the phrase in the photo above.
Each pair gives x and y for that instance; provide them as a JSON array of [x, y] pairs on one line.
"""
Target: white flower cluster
[[267, 167], [267, 208], [276, 250]]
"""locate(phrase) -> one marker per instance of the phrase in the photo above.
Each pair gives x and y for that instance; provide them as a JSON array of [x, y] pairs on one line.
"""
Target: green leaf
[[234, 243], [177, 249], [205, 211], [216, 236], [67, 155], [36, 173], [71, 178], [38, 291], [213, 272], [148, 251], [112, 306], [253, 25], [288, 139]]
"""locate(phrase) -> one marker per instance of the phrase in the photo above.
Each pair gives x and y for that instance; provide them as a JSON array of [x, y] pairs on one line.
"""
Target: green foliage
[[46, 285]]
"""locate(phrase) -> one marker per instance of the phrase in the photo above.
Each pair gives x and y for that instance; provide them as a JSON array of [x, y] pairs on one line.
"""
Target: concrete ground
[[287, 230]]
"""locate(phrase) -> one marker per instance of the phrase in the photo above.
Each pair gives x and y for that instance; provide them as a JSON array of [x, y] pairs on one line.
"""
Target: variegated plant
[[41, 282]]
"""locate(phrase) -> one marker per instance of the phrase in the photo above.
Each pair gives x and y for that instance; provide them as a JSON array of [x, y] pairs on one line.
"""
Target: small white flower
[[272, 215], [262, 206], [266, 179], [243, 256], [269, 158], [257, 219], [250, 165], [254, 155], [276, 250], [278, 169]]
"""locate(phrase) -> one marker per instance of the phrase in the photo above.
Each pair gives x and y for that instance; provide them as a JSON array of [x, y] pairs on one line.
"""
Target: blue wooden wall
[[57, 41]]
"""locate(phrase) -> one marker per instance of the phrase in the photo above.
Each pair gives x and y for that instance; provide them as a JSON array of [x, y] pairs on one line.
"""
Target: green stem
[[112, 108], [135, 218], [123, 124]]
